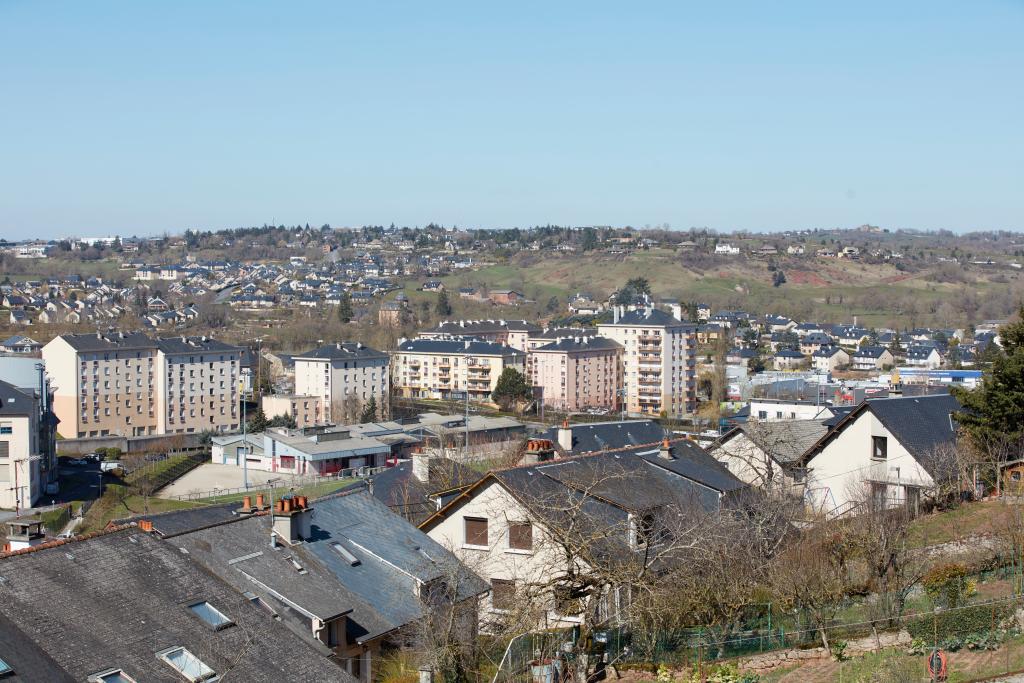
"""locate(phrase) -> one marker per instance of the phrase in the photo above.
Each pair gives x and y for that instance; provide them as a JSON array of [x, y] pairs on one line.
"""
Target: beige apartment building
[[434, 368], [343, 376], [127, 384], [307, 411], [659, 361], [578, 373]]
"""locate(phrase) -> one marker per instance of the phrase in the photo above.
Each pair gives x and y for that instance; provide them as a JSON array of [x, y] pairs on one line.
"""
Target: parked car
[[92, 457], [78, 462], [110, 465]]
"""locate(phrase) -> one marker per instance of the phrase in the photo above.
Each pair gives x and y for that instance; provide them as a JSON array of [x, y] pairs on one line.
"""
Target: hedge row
[[960, 621]]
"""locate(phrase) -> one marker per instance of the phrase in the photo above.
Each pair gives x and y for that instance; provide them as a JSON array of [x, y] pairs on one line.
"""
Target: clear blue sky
[[141, 117]]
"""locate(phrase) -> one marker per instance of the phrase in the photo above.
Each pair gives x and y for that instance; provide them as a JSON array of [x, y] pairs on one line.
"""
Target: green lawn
[[970, 519]]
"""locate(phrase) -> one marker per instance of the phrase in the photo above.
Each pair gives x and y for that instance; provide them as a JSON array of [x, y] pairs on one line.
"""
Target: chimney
[[666, 450], [24, 534], [293, 519], [565, 436], [145, 525], [259, 501], [615, 314], [538, 450], [421, 467]]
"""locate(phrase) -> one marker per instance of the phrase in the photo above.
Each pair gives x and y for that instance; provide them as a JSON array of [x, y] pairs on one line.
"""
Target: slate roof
[[649, 318], [108, 342], [556, 332], [599, 436], [177, 345], [15, 402], [174, 522], [484, 326], [870, 352], [579, 344], [393, 556], [342, 351], [115, 600], [920, 423], [397, 488], [784, 440], [788, 353], [458, 347]]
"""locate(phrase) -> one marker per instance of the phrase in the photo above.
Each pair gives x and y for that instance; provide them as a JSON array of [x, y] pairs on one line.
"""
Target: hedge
[[959, 622]]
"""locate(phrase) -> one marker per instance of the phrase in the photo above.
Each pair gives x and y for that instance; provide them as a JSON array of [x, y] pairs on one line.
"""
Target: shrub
[[948, 585]]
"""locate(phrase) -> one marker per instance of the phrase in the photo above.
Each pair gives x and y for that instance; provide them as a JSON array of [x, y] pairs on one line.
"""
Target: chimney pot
[[247, 503], [259, 500], [145, 525]]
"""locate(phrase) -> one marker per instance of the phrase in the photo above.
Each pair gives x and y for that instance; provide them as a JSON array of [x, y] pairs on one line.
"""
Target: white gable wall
[[838, 473]]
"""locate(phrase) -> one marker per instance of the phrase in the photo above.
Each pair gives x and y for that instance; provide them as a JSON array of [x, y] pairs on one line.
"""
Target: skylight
[[111, 676], [5, 668], [211, 615], [187, 664], [343, 551]]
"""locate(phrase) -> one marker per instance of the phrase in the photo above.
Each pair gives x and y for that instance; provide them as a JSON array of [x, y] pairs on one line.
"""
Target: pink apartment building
[[577, 373]]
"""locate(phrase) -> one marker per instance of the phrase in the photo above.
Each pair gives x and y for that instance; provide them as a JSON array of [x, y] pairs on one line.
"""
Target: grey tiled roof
[[649, 317], [581, 344], [114, 600], [342, 351], [599, 436], [458, 347], [14, 402]]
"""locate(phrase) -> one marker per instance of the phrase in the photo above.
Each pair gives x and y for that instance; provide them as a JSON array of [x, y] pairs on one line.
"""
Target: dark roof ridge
[[64, 541]]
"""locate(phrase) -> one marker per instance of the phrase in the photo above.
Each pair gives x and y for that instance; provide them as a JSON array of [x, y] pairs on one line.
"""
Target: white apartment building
[[21, 450], [659, 361], [434, 368], [343, 376], [132, 385]]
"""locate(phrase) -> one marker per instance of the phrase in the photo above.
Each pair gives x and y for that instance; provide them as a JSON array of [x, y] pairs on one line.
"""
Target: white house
[[887, 452], [725, 248]]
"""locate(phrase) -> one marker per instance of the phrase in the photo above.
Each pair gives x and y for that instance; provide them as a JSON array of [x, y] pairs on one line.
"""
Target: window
[[5, 669], [879, 447], [503, 594], [6, 429], [111, 676], [211, 615], [187, 664], [1015, 475], [520, 536], [476, 531], [343, 551]]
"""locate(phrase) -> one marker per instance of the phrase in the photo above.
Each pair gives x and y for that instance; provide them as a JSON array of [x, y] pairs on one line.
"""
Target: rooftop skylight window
[[187, 664], [213, 617]]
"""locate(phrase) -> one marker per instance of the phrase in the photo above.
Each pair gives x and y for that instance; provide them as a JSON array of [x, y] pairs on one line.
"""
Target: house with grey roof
[[151, 614], [526, 526], [767, 454], [886, 452]]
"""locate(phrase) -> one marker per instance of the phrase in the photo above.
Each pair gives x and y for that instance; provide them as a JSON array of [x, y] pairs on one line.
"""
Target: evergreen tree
[[994, 411], [443, 307], [258, 422], [345, 313], [369, 413], [512, 386]]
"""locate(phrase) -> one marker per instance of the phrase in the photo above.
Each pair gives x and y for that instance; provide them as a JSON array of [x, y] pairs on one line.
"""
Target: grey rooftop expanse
[[113, 601], [342, 351], [137, 341], [458, 347], [579, 344], [13, 401], [649, 318], [484, 327], [600, 436]]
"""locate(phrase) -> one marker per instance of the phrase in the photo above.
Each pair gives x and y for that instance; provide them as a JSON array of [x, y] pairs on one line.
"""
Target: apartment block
[[578, 373], [343, 376], [307, 411], [127, 384], [659, 360], [434, 368]]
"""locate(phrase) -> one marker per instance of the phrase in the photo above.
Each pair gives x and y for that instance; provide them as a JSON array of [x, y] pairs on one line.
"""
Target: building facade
[[578, 373], [132, 385], [344, 376], [659, 361], [435, 368]]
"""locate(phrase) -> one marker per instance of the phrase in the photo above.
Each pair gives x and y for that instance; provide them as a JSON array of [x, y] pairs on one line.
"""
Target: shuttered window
[[476, 531], [5, 449], [503, 593], [520, 535]]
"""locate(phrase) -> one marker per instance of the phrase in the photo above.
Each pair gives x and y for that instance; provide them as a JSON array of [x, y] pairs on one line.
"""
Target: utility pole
[[245, 443]]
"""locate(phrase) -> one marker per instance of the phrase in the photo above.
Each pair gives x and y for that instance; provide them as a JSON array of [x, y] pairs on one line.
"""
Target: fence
[[975, 626], [292, 481]]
